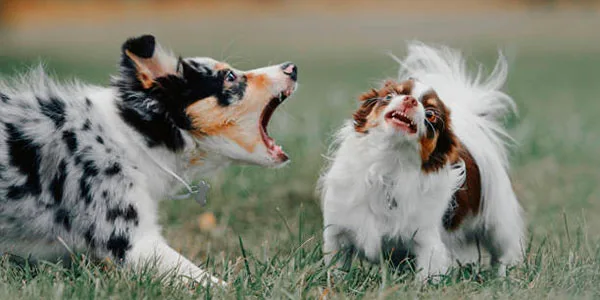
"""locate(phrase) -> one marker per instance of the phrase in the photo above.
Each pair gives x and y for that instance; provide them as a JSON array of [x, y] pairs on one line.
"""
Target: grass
[[266, 241]]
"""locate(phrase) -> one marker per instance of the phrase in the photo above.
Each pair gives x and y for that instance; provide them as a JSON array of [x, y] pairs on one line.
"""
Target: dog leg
[[432, 256], [504, 236], [506, 248], [154, 250], [336, 243], [331, 243]]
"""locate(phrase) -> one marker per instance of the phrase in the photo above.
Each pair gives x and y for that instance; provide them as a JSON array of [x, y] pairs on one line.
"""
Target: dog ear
[[145, 60], [370, 95]]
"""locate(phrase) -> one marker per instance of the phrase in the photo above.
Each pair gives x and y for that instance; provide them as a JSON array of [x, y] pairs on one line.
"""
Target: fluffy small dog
[[422, 170], [83, 167]]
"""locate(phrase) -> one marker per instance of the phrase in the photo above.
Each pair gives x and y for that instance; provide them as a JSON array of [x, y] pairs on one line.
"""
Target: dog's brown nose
[[409, 102], [291, 70]]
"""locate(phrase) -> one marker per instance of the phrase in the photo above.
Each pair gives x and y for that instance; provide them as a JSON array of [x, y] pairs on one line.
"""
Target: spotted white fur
[[79, 174]]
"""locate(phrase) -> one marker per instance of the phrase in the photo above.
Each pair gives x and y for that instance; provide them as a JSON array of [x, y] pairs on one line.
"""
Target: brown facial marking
[[439, 144], [211, 119], [367, 115], [260, 80], [467, 200], [221, 66]]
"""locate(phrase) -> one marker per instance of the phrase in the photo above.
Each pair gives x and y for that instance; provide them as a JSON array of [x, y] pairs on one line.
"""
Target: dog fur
[[83, 167], [432, 186]]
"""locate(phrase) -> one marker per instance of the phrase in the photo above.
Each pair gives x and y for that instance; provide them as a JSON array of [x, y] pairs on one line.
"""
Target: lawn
[[267, 238]]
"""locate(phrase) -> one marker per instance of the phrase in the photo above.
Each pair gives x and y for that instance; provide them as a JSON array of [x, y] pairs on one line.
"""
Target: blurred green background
[[341, 48]]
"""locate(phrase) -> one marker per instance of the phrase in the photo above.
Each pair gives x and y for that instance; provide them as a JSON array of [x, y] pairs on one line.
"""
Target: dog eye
[[230, 77], [430, 115]]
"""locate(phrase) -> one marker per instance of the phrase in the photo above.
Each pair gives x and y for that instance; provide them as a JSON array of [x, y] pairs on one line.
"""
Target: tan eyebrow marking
[[221, 66]]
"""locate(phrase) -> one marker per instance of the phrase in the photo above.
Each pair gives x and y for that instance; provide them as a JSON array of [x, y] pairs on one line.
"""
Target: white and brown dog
[[83, 167], [409, 178]]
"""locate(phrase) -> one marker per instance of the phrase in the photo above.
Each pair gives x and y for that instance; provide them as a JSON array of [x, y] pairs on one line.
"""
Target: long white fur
[[353, 187], [478, 105]]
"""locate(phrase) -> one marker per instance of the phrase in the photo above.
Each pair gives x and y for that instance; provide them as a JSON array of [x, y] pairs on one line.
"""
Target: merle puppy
[[83, 167]]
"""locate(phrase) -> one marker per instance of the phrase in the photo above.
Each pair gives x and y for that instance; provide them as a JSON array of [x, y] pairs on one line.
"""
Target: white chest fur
[[374, 193]]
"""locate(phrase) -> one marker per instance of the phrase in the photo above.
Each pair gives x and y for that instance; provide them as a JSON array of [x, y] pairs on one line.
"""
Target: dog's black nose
[[291, 70]]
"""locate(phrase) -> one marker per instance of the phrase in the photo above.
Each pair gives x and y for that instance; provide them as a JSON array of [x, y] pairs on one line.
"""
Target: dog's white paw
[[501, 270]]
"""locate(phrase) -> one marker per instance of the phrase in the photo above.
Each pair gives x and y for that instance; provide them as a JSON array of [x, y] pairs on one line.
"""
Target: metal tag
[[199, 192]]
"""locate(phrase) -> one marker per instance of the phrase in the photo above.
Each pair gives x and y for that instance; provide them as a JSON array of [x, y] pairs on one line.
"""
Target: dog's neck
[[382, 166], [179, 169], [386, 180], [162, 167], [386, 153]]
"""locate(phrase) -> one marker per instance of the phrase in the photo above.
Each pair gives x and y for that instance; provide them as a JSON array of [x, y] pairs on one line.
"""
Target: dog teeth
[[397, 115]]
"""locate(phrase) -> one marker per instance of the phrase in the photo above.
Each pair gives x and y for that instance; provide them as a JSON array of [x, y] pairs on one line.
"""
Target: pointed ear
[[185, 68], [143, 58]]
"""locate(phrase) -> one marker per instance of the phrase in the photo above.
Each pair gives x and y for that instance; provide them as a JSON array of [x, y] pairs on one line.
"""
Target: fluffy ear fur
[[145, 61]]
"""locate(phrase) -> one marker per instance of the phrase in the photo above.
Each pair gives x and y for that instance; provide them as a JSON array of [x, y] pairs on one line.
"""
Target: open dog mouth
[[401, 121], [274, 150]]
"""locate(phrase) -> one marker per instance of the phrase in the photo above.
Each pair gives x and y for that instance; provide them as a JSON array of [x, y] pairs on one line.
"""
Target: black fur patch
[[204, 83], [17, 192], [90, 170], [62, 217], [239, 90], [128, 214], [449, 214], [4, 98], [142, 46], [88, 102], [156, 129], [160, 123], [89, 236], [87, 125], [118, 245], [24, 154], [70, 138], [54, 109], [100, 140], [114, 169], [105, 194], [57, 186]]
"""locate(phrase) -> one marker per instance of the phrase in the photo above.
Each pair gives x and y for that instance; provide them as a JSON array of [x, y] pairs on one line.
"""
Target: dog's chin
[[266, 161], [268, 157]]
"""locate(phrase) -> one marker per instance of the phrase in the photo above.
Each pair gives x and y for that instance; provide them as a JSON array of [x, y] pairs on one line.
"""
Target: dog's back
[[56, 166], [478, 107]]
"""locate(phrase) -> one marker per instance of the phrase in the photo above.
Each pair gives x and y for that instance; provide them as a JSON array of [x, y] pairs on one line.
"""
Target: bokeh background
[[341, 48]]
